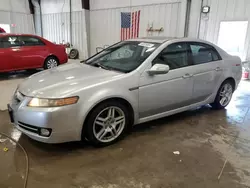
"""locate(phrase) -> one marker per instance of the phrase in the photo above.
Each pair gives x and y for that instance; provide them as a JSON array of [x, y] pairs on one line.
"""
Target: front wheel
[[50, 62], [224, 95], [107, 123]]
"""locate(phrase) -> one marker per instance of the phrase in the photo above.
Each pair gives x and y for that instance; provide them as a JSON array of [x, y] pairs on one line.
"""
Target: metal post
[[199, 23], [188, 8], [41, 19], [70, 21]]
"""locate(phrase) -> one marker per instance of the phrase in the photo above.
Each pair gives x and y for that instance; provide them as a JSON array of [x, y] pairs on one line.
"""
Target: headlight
[[36, 102]]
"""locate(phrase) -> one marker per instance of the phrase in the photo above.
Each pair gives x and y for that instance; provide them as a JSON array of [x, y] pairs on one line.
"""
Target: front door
[[32, 52], [166, 92], [9, 47], [206, 70]]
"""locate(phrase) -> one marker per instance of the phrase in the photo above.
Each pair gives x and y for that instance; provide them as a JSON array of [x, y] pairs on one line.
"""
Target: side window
[[8, 42], [174, 55], [203, 53], [31, 41], [1, 43]]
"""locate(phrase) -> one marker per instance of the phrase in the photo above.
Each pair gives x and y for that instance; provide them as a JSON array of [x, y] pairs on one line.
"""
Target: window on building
[[232, 37]]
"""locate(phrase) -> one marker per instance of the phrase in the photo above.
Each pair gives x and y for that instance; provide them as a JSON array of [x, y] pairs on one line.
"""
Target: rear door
[[9, 47], [33, 52], [206, 70]]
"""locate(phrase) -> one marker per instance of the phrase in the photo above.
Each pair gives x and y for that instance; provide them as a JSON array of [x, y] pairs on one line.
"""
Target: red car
[[21, 51]]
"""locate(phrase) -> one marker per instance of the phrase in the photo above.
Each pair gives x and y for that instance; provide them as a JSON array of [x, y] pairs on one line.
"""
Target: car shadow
[[58, 149], [18, 74], [169, 120]]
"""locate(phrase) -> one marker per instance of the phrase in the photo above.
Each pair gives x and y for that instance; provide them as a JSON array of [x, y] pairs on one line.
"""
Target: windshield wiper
[[107, 68], [102, 66]]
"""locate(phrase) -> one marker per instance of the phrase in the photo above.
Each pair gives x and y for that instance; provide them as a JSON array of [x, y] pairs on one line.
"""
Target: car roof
[[16, 34], [162, 39], [155, 39]]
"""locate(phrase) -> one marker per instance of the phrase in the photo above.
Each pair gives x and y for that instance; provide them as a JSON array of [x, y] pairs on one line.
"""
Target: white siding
[[105, 20], [17, 12], [56, 28], [224, 10], [194, 19], [59, 6], [56, 24], [99, 4], [21, 6]]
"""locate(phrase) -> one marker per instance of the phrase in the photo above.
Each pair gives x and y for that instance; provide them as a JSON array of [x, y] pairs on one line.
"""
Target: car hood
[[65, 80]]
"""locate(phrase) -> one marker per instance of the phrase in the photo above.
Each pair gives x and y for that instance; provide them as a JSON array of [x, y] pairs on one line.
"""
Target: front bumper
[[63, 122]]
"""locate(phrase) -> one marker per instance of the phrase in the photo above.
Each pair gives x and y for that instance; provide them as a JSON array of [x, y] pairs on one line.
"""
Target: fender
[[108, 93]]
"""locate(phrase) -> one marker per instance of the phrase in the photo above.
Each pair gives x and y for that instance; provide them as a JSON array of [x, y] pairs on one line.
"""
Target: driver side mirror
[[158, 69]]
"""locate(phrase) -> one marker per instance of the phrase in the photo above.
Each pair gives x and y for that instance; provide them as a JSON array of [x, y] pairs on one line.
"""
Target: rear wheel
[[224, 95], [107, 123], [51, 62]]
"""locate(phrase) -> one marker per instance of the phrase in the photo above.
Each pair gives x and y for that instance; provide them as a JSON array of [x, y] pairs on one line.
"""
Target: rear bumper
[[64, 59]]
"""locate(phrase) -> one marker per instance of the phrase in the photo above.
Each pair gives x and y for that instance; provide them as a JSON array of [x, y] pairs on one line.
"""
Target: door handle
[[187, 76], [218, 69]]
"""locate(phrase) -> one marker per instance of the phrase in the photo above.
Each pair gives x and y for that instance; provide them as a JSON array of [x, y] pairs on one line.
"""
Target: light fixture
[[205, 9]]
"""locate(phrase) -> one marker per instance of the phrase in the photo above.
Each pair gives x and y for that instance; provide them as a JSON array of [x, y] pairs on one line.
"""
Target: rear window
[[30, 41], [203, 53]]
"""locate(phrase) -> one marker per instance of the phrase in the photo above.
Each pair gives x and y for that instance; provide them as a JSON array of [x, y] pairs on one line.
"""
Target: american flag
[[130, 22]]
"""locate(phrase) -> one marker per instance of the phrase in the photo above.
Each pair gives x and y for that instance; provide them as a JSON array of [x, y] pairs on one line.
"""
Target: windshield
[[124, 56]]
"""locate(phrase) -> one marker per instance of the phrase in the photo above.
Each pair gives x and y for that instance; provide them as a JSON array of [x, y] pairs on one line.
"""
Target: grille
[[28, 127]]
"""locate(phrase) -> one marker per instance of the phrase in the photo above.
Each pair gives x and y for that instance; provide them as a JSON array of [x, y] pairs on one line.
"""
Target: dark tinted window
[[203, 53], [174, 55], [30, 41], [8, 42]]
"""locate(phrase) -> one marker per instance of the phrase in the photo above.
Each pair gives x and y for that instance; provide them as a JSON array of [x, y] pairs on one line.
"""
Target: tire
[[100, 127], [73, 54], [51, 62], [218, 102]]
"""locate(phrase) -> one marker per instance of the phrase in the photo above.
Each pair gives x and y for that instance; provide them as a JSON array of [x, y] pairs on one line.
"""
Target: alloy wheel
[[226, 93], [52, 63], [109, 124]]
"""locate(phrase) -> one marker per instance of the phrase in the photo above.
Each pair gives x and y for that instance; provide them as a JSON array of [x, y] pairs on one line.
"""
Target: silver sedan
[[131, 82]]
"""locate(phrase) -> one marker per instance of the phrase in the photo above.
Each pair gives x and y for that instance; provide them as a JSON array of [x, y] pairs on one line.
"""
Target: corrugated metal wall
[[102, 23], [17, 12], [224, 10], [23, 22], [56, 23], [56, 28], [105, 24]]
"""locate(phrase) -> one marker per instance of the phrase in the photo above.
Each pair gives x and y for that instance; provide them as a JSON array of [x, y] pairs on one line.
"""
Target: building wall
[[224, 10], [101, 25], [105, 19], [16, 12], [194, 19], [56, 24]]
